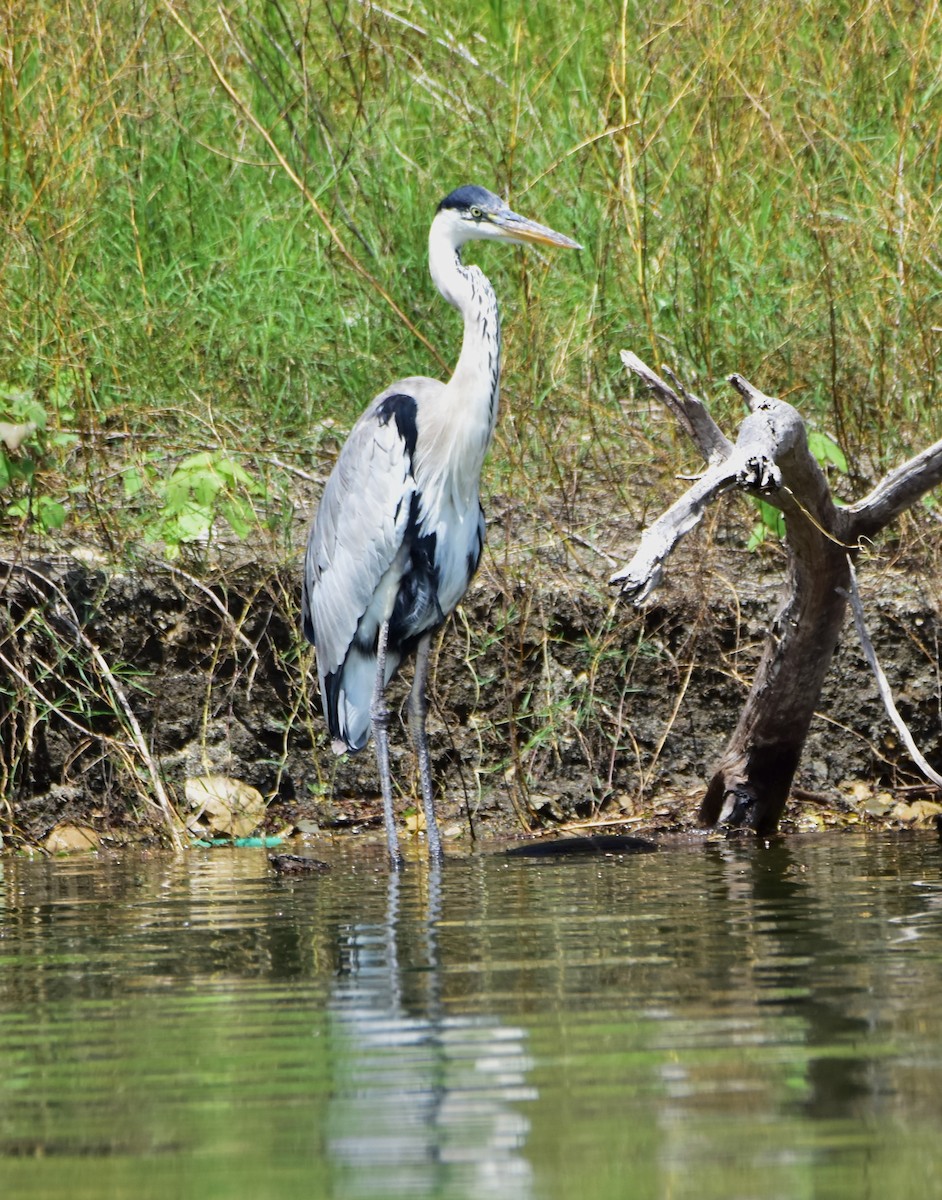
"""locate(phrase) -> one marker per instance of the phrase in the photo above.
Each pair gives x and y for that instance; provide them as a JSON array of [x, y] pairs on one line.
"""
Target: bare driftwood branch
[[770, 438], [751, 782], [689, 410], [643, 573], [896, 492]]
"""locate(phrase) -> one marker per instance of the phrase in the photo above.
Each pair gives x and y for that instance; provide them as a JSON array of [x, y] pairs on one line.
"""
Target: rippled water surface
[[715, 1020]]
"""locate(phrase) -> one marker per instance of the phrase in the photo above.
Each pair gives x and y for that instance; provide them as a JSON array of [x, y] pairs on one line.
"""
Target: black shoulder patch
[[401, 409], [416, 608]]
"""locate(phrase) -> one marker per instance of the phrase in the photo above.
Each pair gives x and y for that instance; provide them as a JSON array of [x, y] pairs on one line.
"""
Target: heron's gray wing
[[358, 530]]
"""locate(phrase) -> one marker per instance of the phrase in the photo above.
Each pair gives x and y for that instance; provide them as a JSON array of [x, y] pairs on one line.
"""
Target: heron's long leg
[[379, 715], [418, 709]]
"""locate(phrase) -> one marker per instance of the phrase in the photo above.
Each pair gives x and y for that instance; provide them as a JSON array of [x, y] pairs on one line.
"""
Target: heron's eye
[[476, 212]]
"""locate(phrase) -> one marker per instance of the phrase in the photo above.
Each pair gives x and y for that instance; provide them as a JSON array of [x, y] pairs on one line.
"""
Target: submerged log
[[770, 458]]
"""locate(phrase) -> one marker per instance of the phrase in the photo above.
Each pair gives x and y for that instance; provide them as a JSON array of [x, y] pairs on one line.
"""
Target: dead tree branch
[[689, 410], [770, 458]]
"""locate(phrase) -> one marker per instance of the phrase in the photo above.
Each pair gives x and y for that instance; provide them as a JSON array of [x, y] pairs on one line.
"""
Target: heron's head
[[472, 213]]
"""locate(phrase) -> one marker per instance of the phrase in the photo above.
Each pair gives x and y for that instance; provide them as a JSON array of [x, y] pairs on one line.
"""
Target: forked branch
[[771, 458]]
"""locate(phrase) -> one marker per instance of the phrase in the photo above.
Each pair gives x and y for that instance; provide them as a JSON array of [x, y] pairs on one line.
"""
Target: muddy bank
[[553, 704]]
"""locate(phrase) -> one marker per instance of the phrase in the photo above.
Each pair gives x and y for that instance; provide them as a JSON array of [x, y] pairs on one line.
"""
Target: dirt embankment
[[553, 703]]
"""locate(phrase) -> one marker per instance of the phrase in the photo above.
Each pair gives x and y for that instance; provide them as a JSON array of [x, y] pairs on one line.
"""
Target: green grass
[[755, 186]]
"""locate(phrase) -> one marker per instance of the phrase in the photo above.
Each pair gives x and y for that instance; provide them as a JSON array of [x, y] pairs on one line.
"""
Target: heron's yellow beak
[[515, 228]]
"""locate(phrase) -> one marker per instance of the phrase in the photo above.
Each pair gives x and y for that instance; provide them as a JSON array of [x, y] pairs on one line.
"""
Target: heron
[[399, 530]]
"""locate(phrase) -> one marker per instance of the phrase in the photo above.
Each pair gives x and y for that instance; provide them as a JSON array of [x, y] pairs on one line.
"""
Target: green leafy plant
[[25, 451], [827, 451], [197, 492]]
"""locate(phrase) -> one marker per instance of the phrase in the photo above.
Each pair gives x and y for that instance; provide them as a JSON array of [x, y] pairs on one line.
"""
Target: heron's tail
[[347, 694]]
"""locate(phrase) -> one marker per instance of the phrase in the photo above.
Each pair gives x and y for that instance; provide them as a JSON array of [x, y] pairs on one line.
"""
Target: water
[[715, 1020]]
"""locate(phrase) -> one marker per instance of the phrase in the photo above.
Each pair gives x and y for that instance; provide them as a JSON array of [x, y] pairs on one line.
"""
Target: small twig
[[218, 604], [583, 541], [71, 620], [671, 720], [883, 685], [283, 466], [51, 705], [140, 744]]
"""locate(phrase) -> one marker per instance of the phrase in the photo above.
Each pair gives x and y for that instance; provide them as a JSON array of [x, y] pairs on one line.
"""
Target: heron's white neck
[[458, 430], [475, 382]]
